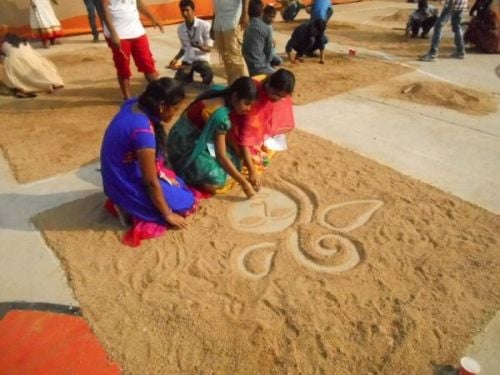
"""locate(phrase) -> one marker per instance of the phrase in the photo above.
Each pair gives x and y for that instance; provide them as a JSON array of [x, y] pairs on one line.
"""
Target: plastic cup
[[469, 366]]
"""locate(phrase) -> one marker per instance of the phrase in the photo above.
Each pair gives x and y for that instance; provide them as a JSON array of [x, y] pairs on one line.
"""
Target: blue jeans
[[93, 6], [456, 19]]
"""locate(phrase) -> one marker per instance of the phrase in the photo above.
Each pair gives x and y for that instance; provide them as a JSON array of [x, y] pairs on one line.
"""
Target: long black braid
[[164, 91], [243, 87]]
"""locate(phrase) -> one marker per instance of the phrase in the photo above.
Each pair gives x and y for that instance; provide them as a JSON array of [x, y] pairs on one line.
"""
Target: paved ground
[[454, 152]]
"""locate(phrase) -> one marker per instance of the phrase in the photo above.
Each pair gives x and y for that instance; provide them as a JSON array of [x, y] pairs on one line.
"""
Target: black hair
[[243, 87], [14, 40], [317, 27], [165, 91], [255, 8], [186, 3], [269, 10], [282, 80], [422, 4]]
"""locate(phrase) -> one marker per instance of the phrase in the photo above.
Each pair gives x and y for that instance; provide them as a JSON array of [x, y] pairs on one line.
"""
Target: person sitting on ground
[[290, 9], [25, 71], [134, 175], [268, 16], [484, 28], [126, 36], [196, 44], [257, 47], [322, 9], [256, 133], [197, 141], [306, 39], [424, 17], [44, 23]]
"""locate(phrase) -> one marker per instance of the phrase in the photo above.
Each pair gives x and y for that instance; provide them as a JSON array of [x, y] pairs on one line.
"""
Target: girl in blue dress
[[133, 151]]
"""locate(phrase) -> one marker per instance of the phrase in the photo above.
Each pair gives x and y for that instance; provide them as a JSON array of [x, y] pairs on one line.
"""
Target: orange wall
[[14, 15]]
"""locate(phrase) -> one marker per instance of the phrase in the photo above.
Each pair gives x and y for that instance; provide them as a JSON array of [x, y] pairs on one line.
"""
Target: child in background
[[422, 18], [268, 16]]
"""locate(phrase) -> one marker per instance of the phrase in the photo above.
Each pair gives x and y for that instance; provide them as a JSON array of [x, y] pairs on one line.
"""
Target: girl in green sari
[[196, 144]]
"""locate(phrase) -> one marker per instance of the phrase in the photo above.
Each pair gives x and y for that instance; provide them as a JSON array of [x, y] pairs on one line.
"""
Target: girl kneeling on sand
[[258, 133], [133, 172], [197, 142]]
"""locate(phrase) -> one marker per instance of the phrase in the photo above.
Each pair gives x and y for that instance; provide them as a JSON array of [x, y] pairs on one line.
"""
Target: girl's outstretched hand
[[247, 189], [254, 181], [176, 220]]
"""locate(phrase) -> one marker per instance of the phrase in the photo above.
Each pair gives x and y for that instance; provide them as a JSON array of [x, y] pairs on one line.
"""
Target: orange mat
[[36, 342]]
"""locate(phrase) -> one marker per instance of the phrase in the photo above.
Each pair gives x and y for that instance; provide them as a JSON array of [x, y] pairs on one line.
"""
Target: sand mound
[[446, 95], [340, 74], [400, 16], [397, 282]]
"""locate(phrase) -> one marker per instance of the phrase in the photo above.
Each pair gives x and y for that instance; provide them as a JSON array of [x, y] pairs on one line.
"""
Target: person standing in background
[[229, 21], [321, 9], [44, 23], [452, 9], [94, 6], [126, 36]]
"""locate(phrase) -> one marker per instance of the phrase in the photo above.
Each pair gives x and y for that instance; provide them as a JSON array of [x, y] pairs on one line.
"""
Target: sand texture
[[366, 271]]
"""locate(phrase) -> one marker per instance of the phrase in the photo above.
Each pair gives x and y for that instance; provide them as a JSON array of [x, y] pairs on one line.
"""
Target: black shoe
[[96, 39]]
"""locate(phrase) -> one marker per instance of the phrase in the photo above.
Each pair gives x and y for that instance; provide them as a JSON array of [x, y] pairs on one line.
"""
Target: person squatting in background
[[196, 44], [484, 27], [306, 39], [424, 17]]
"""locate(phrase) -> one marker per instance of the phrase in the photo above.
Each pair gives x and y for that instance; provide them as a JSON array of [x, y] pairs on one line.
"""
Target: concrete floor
[[457, 153]]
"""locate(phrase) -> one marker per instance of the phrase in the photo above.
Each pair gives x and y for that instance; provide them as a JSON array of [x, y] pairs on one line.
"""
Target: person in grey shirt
[[258, 42]]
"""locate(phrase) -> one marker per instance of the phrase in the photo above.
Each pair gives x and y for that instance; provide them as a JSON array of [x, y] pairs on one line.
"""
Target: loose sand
[[369, 272], [339, 74], [376, 38], [445, 95], [395, 279]]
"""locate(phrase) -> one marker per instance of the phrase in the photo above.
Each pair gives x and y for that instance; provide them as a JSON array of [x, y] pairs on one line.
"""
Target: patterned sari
[[191, 147]]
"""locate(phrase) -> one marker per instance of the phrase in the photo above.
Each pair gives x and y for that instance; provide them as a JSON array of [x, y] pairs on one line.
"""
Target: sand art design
[[272, 211]]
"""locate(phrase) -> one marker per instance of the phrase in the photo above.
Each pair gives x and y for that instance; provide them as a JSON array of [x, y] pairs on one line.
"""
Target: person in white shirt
[[229, 22], [126, 36], [194, 35]]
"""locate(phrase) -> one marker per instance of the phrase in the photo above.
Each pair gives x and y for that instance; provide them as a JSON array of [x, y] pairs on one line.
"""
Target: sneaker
[[428, 57], [457, 55], [96, 39]]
